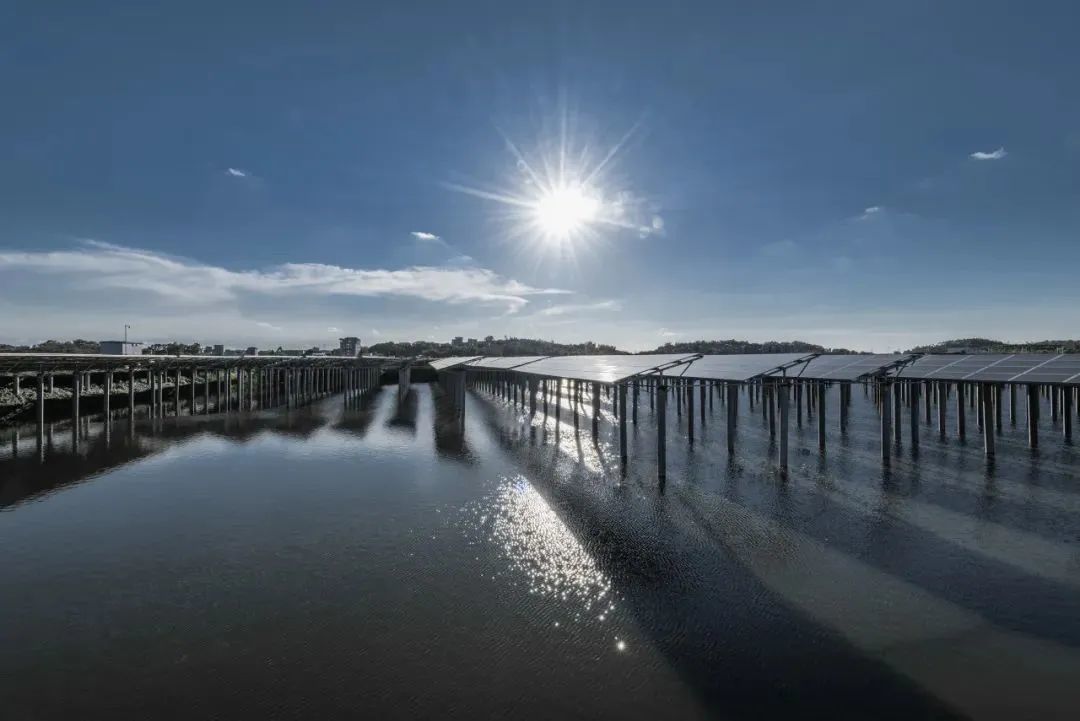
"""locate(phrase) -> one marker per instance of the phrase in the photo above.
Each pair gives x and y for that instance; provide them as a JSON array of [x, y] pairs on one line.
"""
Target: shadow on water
[[449, 431], [404, 416], [685, 595], [359, 413]]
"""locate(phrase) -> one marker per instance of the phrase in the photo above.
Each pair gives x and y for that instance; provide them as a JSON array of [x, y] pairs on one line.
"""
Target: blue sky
[[871, 175]]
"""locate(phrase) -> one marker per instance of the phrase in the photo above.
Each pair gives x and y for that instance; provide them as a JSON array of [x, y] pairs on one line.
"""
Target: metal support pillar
[[898, 408], [690, 412], [1067, 414], [782, 398], [702, 390], [845, 394], [821, 416], [1033, 415], [40, 411], [661, 430], [558, 401], [914, 390], [76, 390], [732, 401], [885, 395], [941, 389], [961, 420], [595, 410], [622, 423]]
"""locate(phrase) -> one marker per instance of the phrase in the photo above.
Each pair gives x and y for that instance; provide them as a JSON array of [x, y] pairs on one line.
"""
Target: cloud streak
[[236, 172], [991, 155], [577, 308], [425, 236], [99, 266]]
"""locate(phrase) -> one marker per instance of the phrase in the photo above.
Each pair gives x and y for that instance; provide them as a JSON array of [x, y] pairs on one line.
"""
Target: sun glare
[[564, 198], [564, 211]]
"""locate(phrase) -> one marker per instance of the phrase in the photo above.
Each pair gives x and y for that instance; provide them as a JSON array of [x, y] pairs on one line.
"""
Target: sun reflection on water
[[538, 546]]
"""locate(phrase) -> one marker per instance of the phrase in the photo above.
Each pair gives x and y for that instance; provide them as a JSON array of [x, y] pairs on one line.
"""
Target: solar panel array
[[996, 368], [846, 367], [740, 367], [94, 362], [441, 364], [505, 362], [601, 368]]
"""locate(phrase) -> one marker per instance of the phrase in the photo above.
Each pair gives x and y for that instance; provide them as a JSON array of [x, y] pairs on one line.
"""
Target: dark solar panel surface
[[504, 362], [736, 367], [600, 368], [441, 364], [996, 368], [848, 367]]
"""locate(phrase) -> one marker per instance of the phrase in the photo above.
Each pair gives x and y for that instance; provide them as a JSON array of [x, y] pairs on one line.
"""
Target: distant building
[[473, 341], [458, 340], [349, 346], [251, 350], [120, 347], [219, 349]]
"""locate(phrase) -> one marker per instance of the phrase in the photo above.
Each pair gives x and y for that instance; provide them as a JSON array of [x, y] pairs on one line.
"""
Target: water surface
[[376, 559]]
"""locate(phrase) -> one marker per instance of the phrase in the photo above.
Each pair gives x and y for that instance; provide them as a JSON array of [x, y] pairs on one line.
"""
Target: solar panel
[[996, 368], [737, 367], [601, 368], [441, 364], [505, 362], [846, 367]]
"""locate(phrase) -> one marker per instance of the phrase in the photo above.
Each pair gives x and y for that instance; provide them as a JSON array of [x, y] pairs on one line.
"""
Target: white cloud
[[99, 266], [269, 326], [375, 332], [333, 329], [668, 333], [422, 235], [870, 212], [462, 260], [573, 308], [236, 172], [992, 155]]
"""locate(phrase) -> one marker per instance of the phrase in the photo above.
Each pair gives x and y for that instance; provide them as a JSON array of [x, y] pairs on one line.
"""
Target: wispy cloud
[[668, 333], [236, 172], [423, 235], [269, 326], [991, 155], [333, 329], [97, 266], [870, 212], [575, 308]]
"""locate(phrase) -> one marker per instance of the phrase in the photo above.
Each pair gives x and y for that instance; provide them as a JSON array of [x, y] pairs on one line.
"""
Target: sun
[[565, 210]]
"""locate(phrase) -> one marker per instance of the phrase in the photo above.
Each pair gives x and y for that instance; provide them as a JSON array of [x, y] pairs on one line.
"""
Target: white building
[[119, 347]]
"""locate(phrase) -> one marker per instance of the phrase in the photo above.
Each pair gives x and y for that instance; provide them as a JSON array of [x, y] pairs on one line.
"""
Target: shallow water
[[376, 560]]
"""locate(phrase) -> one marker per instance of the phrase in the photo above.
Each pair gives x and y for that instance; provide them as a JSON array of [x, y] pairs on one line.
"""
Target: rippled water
[[376, 560]]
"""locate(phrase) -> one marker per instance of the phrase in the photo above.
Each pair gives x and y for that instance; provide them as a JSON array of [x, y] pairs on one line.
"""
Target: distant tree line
[[490, 346], [987, 345], [728, 347], [53, 346]]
